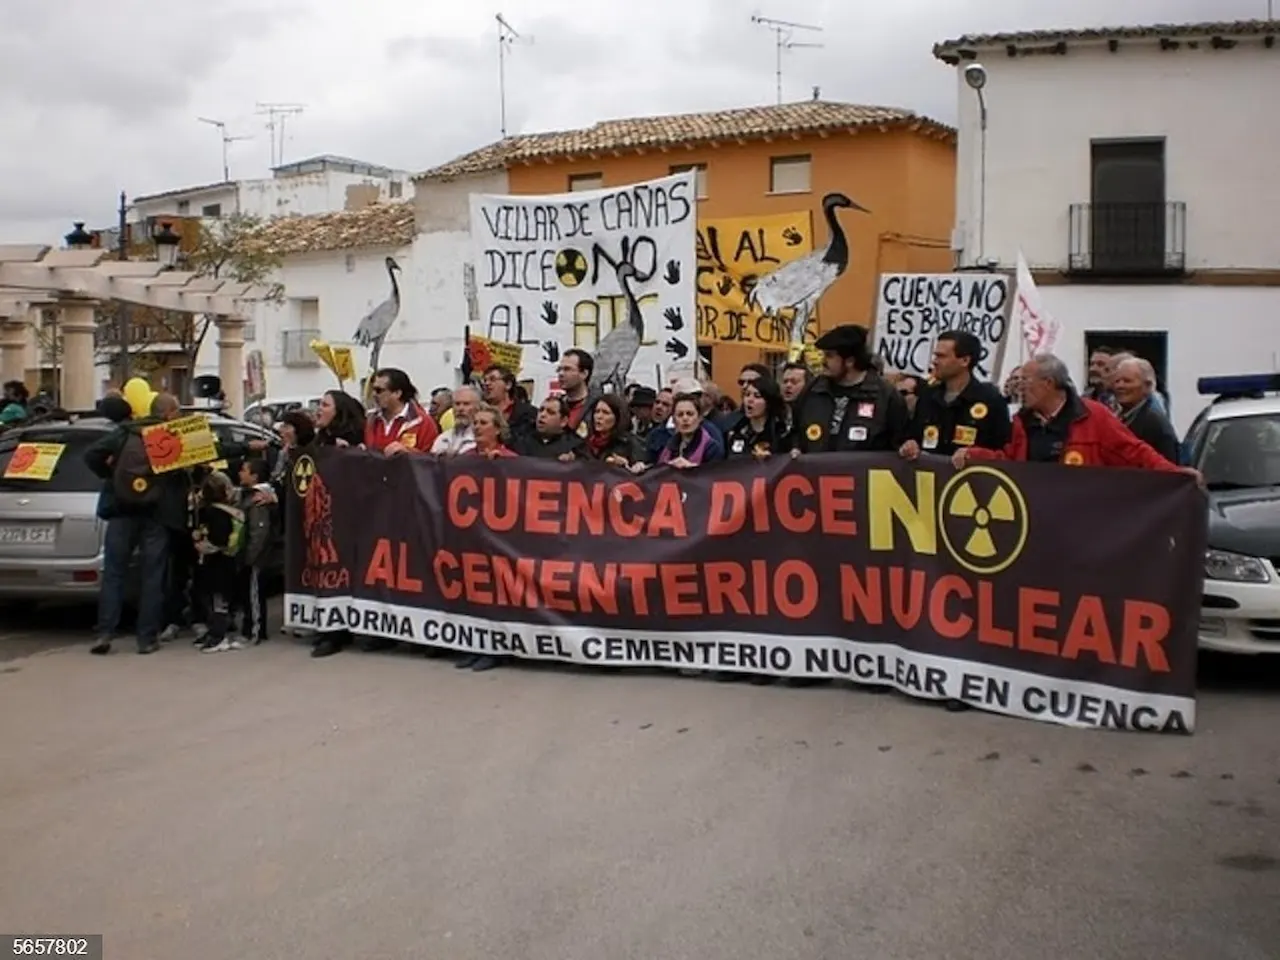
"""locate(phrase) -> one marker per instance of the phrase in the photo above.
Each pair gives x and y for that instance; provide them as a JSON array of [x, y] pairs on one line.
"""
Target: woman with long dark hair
[[692, 444], [761, 430], [609, 438]]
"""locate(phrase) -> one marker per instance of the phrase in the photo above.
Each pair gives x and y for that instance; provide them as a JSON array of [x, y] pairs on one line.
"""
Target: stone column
[[13, 347], [76, 325], [231, 361]]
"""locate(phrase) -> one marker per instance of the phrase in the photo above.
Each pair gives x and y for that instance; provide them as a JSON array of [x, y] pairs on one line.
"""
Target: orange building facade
[[903, 173]]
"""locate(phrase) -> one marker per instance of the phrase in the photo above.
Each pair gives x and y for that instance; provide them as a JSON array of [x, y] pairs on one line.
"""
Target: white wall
[[1212, 331], [1043, 111], [308, 193], [168, 206]]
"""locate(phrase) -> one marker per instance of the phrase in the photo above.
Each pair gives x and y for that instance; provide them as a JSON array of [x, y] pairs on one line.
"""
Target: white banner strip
[[1014, 693]]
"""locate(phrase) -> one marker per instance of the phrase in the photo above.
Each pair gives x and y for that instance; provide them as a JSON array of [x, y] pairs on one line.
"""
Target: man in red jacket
[[399, 425], [1057, 425]]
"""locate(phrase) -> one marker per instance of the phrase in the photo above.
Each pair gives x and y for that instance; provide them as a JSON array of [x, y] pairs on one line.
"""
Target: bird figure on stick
[[376, 324], [800, 284], [617, 351]]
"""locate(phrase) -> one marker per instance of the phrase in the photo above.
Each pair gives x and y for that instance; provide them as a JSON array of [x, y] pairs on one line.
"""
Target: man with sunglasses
[[400, 424]]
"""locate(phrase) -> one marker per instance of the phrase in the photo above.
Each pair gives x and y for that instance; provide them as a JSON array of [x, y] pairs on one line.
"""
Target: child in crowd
[[250, 596], [219, 536]]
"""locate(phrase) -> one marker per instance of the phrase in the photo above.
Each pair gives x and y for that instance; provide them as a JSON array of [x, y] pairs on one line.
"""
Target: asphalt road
[[262, 804]]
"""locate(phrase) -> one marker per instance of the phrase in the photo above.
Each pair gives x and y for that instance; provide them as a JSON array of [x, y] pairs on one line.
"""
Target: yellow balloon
[[139, 394]]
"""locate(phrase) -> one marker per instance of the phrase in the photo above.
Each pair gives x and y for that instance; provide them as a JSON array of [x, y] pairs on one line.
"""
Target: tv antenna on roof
[[277, 114], [507, 35], [226, 141], [783, 31]]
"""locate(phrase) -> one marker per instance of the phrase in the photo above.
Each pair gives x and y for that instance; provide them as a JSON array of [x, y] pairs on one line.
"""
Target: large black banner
[[1060, 594]]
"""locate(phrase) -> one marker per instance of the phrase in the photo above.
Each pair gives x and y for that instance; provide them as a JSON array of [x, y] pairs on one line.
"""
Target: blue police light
[[1245, 385]]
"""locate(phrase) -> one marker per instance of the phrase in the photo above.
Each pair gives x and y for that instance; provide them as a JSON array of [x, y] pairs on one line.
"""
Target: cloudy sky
[[103, 96]]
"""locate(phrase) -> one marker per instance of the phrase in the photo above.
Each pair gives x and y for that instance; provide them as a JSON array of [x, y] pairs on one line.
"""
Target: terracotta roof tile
[[378, 225], [949, 50], [807, 117]]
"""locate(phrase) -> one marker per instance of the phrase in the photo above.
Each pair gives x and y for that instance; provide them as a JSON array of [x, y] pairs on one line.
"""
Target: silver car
[[50, 535]]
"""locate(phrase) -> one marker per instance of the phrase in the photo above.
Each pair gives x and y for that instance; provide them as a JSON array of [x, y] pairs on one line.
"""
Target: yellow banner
[[178, 444], [34, 461], [485, 353], [733, 255], [344, 365]]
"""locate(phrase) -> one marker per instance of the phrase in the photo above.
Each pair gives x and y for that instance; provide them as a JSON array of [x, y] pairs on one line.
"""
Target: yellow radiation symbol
[[303, 470], [1074, 458], [978, 411], [139, 484], [983, 518], [814, 432], [571, 267]]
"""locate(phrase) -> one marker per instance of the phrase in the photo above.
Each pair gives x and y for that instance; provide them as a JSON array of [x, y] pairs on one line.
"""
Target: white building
[[315, 185], [1132, 168], [334, 273]]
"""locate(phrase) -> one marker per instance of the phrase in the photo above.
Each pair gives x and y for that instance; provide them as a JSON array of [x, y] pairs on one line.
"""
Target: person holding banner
[[461, 437], [760, 430], [399, 425], [957, 410], [574, 373], [553, 439], [610, 439], [491, 433], [1057, 425], [850, 407]]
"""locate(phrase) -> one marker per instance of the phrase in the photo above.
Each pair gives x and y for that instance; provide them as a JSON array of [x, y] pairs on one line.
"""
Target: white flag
[[1039, 329]]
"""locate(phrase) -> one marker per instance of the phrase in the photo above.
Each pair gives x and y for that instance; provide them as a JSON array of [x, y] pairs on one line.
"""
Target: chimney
[[361, 195], [817, 94]]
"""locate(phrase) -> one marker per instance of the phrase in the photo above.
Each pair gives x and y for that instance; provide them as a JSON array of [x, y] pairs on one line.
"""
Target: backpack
[[132, 478], [235, 543]]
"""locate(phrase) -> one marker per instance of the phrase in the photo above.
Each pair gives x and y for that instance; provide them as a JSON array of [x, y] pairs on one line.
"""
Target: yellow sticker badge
[[409, 440], [978, 411], [1074, 458], [814, 432]]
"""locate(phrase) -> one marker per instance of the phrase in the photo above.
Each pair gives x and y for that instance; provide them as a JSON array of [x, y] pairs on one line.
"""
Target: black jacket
[[551, 448], [977, 417], [626, 446], [523, 423], [171, 509], [875, 417], [740, 439], [1153, 428]]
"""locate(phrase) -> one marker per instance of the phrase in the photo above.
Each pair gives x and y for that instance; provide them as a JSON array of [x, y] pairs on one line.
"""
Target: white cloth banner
[[1038, 327], [608, 271]]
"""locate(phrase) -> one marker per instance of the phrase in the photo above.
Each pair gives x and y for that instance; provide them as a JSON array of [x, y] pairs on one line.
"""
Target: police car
[[1235, 444]]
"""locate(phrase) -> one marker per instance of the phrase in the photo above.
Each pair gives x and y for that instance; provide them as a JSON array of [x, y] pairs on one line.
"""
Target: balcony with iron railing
[[1128, 240], [296, 347]]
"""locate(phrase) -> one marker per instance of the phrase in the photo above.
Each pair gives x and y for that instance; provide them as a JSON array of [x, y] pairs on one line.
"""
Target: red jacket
[[1096, 437], [414, 429]]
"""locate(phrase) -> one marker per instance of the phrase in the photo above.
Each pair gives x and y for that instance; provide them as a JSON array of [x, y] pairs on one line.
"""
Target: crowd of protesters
[[201, 537]]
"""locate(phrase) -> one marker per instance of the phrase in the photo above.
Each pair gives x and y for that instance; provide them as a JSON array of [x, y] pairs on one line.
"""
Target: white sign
[[1039, 329], [913, 308], [609, 271]]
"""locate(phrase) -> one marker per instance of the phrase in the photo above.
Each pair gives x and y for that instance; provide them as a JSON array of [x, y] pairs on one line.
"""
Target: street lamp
[[79, 238], [975, 75], [167, 243]]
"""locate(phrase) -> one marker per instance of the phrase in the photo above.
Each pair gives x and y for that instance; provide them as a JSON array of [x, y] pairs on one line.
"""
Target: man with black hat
[[641, 404], [956, 409], [849, 407]]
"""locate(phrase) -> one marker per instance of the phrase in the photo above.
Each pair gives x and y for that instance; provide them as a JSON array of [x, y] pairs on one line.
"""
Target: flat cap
[[848, 340]]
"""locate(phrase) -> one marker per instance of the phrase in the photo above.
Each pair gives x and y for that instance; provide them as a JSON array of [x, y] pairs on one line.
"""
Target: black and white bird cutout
[[800, 284], [617, 351], [376, 324]]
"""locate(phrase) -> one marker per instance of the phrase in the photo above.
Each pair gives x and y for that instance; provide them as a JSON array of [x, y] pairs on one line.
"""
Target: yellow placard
[[322, 350], [344, 364], [34, 461], [734, 255], [178, 444], [814, 359], [484, 353]]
